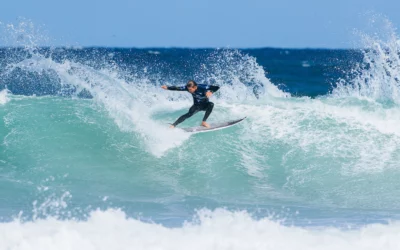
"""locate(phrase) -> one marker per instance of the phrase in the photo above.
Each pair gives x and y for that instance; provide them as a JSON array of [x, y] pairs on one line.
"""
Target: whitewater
[[87, 160]]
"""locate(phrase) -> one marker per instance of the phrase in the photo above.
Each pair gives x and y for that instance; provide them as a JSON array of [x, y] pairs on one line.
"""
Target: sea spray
[[377, 77]]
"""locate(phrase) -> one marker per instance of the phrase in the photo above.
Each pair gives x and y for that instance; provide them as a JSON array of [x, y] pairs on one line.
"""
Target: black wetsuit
[[200, 101]]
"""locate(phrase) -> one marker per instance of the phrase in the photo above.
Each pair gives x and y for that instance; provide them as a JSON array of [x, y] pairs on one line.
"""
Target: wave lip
[[219, 229]]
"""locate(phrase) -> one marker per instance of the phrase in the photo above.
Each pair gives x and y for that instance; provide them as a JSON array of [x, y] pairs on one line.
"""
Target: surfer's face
[[192, 89]]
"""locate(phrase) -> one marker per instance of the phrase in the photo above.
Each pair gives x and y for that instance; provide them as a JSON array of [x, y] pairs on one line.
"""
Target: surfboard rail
[[213, 127]]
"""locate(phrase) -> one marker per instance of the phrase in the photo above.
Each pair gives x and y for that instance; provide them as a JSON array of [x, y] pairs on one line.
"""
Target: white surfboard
[[213, 127]]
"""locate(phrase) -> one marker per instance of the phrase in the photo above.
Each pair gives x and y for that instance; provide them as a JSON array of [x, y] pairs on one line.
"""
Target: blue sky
[[206, 23]]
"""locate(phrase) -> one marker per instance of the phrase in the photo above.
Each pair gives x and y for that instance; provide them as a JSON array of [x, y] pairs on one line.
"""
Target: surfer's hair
[[191, 83]]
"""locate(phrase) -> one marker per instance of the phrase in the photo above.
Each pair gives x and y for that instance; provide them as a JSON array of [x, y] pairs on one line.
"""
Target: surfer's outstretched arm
[[210, 90], [176, 88], [213, 88]]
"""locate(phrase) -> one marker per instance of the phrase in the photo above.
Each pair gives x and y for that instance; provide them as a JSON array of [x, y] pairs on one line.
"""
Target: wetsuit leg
[[208, 109], [193, 110]]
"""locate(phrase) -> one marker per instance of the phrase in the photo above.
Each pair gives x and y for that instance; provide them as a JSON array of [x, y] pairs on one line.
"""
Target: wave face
[[87, 157]]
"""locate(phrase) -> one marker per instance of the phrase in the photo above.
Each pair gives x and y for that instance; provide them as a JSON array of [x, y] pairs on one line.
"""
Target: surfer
[[201, 94]]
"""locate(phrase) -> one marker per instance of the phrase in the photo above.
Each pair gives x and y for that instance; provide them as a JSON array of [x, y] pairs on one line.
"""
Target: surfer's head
[[191, 86]]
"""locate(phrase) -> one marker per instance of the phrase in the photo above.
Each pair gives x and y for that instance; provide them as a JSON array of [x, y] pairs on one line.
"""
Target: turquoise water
[[87, 160], [290, 153]]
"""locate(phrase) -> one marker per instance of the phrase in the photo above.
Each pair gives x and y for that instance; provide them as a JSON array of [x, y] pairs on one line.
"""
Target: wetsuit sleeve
[[213, 88], [177, 88]]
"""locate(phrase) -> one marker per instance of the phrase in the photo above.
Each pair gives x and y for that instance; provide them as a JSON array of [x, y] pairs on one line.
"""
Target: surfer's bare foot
[[205, 124], [172, 126]]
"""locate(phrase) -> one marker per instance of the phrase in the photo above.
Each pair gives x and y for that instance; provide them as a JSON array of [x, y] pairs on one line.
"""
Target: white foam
[[220, 229], [154, 52], [4, 97], [305, 64], [368, 140]]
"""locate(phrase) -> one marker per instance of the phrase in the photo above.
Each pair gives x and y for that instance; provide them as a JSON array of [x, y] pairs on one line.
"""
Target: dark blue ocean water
[[301, 72]]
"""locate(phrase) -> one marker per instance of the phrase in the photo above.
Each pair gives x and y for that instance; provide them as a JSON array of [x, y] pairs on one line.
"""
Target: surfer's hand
[[209, 94], [164, 87]]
